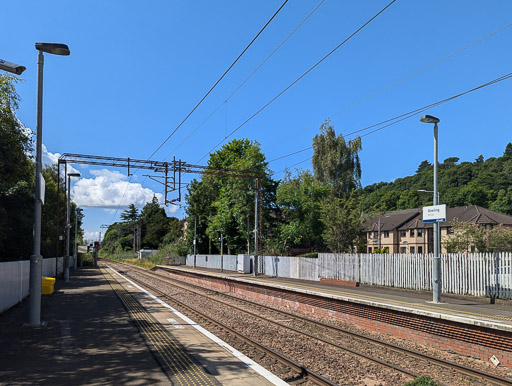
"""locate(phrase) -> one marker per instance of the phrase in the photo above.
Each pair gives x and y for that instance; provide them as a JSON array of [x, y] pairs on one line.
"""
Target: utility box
[[47, 284], [243, 264]]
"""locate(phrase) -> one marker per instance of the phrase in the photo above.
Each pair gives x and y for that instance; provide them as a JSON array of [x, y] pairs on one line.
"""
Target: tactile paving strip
[[180, 367]]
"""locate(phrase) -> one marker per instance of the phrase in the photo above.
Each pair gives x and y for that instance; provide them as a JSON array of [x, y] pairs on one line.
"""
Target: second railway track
[[376, 361]]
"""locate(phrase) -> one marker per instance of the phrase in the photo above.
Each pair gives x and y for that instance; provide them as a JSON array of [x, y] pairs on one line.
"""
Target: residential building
[[403, 231]]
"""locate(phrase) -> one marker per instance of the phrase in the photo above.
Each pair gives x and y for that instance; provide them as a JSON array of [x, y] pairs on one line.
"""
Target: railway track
[[389, 354], [268, 356]]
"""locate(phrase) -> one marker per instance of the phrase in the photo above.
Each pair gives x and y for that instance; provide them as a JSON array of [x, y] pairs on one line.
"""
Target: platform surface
[[90, 338], [463, 309]]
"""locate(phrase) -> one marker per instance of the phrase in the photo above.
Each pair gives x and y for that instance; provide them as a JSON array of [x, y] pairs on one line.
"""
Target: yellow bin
[[47, 285]]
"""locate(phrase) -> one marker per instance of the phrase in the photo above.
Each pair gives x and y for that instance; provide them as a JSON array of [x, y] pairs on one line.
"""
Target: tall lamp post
[[11, 67], [36, 258], [78, 213], [68, 227], [436, 265]]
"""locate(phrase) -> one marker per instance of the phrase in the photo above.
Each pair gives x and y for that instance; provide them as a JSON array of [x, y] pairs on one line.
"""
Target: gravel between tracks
[[333, 363]]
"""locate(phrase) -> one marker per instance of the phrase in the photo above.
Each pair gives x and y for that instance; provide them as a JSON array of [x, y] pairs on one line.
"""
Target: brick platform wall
[[446, 335]]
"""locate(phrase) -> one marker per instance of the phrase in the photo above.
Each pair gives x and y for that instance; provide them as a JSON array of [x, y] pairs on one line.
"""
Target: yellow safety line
[[158, 336], [337, 292], [180, 364]]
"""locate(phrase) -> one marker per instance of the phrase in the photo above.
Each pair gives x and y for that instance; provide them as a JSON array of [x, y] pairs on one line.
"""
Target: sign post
[[435, 213]]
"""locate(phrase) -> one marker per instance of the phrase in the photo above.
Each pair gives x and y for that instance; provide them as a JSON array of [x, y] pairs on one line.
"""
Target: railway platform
[[464, 324], [100, 328]]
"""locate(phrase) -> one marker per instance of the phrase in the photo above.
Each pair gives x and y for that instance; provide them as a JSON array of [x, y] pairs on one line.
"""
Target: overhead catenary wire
[[248, 77], [393, 84], [218, 80], [204, 97], [401, 117], [298, 79]]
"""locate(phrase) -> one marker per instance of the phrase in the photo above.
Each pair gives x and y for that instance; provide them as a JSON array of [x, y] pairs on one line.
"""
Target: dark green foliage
[[223, 204], [336, 162], [155, 224], [484, 182]]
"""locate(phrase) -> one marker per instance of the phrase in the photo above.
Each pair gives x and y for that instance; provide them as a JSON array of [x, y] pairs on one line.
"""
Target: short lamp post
[[36, 258], [68, 227], [436, 266]]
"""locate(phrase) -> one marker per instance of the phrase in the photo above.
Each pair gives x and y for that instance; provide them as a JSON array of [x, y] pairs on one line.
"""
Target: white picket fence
[[467, 274]]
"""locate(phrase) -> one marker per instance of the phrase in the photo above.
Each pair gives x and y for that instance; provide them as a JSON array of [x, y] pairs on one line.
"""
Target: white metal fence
[[477, 274], [15, 279]]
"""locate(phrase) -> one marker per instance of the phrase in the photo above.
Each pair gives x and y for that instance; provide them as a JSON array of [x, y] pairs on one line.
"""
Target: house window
[[370, 235], [411, 233], [412, 249], [420, 249], [420, 233], [402, 233], [403, 249], [386, 233], [375, 235], [369, 249]]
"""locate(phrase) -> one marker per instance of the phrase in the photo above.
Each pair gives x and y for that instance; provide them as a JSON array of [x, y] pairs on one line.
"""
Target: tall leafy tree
[[336, 162], [300, 198], [342, 223], [155, 224], [16, 177], [225, 204]]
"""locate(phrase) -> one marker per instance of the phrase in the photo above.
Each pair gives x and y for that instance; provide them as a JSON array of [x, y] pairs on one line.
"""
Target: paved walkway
[[89, 338]]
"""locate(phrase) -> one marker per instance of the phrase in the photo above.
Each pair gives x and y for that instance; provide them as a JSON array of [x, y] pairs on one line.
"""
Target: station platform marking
[[176, 362]]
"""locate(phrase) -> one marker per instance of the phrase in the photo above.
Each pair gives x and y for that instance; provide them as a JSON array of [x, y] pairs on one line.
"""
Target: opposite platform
[[90, 338], [466, 325]]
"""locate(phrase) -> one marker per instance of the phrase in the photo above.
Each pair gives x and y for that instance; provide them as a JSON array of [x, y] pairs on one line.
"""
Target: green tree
[[508, 151], [424, 165], [16, 177], [300, 198], [155, 224], [225, 204], [336, 162], [131, 217], [342, 223]]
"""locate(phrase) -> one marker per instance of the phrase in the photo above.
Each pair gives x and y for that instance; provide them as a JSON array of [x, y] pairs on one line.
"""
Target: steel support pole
[[36, 260], [68, 232], [76, 238], [378, 241], [195, 239], [256, 230], [221, 252], [436, 265]]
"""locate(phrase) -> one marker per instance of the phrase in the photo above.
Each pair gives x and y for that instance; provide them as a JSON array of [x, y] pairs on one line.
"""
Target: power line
[[401, 117], [218, 81], [394, 84], [250, 76], [297, 80], [204, 97]]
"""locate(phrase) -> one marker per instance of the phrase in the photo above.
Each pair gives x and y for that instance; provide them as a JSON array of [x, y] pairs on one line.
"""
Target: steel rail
[[401, 350], [302, 370], [252, 314]]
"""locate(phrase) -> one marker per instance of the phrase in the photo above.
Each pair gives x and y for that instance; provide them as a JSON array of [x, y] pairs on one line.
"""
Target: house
[[403, 231]]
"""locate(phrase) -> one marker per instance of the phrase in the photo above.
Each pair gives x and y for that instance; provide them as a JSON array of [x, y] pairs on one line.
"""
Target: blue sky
[[136, 70]]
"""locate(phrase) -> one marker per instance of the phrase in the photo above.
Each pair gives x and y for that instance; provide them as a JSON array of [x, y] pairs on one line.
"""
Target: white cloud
[[107, 189], [52, 158], [91, 236]]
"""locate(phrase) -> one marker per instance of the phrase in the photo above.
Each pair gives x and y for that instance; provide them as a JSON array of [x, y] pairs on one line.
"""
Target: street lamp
[[68, 228], [436, 266], [36, 258], [78, 213], [11, 67]]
